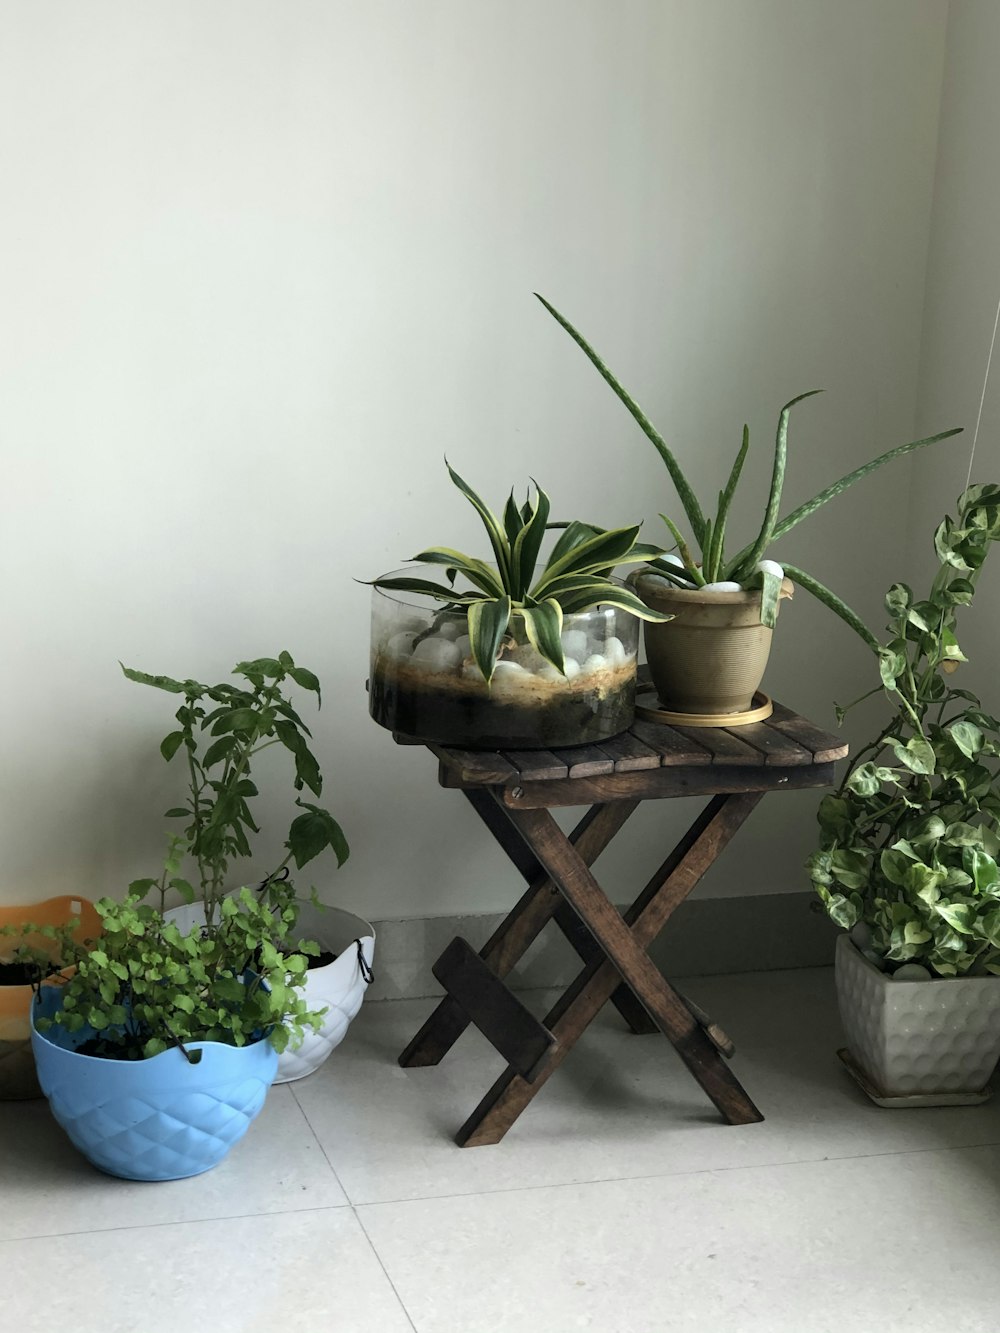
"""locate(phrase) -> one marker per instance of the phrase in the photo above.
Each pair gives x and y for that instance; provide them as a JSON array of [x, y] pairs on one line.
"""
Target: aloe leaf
[[497, 535], [726, 501], [770, 595], [475, 570], [706, 552], [767, 527], [611, 595], [685, 494], [677, 573], [602, 551], [529, 543], [831, 600], [543, 623], [716, 552], [488, 621], [691, 569], [831, 492]]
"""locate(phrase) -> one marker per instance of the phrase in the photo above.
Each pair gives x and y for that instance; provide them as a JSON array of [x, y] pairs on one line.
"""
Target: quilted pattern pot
[[918, 1037], [339, 987], [157, 1119]]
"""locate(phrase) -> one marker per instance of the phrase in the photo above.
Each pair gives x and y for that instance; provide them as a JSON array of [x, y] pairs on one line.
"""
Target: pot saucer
[[900, 1100], [648, 707]]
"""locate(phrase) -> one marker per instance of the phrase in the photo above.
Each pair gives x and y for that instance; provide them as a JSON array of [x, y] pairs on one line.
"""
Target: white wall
[[963, 288], [266, 263]]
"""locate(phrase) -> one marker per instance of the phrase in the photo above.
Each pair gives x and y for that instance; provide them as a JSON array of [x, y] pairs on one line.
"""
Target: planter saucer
[[648, 706], [914, 1099]]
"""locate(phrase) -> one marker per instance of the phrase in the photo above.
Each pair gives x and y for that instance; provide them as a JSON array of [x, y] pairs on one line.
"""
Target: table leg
[[512, 937], [581, 1003]]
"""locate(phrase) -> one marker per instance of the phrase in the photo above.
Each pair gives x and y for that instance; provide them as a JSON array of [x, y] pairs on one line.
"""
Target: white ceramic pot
[[918, 1038], [339, 987]]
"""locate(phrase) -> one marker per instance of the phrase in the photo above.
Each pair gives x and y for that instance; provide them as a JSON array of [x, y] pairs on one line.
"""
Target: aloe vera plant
[[749, 567], [509, 593]]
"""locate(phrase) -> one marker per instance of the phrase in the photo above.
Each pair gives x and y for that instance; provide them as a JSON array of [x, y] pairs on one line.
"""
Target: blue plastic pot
[[157, 1119]]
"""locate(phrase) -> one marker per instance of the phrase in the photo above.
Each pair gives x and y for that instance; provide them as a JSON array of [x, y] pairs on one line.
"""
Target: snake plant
[[509, 592], [749, 567]]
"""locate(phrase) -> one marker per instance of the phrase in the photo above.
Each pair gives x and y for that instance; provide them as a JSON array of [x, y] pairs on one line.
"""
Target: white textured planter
[[918, 1038], [339, 987]]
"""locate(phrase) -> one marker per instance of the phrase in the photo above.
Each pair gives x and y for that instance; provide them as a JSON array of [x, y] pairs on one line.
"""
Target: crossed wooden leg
[[619, 966]]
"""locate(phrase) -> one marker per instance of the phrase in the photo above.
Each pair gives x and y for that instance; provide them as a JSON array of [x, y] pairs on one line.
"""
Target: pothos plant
[[510, 596], [145, 984], [749, 567], [909, 843]]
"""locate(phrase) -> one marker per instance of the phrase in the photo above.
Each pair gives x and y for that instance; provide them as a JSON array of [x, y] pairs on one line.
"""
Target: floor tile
[[298, 1272], [48, 1188], [620, 1106], [894, 1244]]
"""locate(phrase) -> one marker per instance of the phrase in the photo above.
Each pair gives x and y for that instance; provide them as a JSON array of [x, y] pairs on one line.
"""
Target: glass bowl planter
[[424, 682]]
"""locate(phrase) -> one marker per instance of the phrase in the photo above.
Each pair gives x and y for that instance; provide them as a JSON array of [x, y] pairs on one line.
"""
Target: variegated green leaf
[[529, 542], [476, 571], [494, 530], [488, 622], [425, 588], [543, 623], [601, 552]]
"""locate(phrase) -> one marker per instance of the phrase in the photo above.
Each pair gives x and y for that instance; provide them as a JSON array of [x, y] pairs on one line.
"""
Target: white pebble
[[911, 972], [452, 629], [725, 586], [770, 567], [437, 654], [400, 645], [527, 657], [596, 662], [571, 667], [671, 559], [470, 671], [574, 644], [614, 651], [464, 645]]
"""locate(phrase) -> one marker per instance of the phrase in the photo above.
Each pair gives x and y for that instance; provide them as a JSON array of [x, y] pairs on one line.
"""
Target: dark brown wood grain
[[656, 783], [779, 750], [825, 746], [515, 934], [628, 753], [725, 747], [537, 765], [585, 761], [673, 748], [496, 1011], [584, 999], [478, 767]]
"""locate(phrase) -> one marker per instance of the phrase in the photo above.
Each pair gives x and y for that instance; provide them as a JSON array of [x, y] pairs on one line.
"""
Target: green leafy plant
[[509, 592], [909, 843], [749, 567], [145, 984]]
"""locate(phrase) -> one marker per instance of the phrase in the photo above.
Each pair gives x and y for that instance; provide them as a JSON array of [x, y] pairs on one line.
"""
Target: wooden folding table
[[513, 793]]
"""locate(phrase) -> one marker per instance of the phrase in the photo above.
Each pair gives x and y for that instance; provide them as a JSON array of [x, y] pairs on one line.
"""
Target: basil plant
[[909, 843], [750, 566], [510, 595]]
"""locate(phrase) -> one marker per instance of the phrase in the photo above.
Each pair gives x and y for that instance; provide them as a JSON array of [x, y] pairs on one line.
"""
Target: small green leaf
[[488, 622], [170, 744]]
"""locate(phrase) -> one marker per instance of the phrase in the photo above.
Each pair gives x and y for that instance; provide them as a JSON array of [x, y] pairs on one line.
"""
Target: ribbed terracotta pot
[[711, 657]]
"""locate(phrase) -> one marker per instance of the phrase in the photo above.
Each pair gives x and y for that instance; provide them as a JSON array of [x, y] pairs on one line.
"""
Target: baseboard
[[764, 933]]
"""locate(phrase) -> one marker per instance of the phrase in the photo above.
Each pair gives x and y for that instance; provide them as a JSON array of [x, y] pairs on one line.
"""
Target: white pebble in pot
[[507, 676], [400, 645], [726, 585], [614, 651], [911, 972], [571, 667], [526, 656], [574, 644], [452, 629], [437, 654], [595, 662], [464, 645]]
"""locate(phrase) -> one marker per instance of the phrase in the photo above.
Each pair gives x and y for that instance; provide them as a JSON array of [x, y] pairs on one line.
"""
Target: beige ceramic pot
[[711, 657]]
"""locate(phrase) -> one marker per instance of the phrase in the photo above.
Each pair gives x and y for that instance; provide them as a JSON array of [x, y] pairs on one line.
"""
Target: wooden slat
[[670, 745], [537, 765], [498, 1014], [629, 753], [655, 783], [826, 746], [514, 935], [724, 746], [476, 767], [778, 750], [585, 761]]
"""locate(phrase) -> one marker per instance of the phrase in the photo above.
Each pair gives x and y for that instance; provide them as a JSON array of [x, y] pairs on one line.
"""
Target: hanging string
[[982, 398]]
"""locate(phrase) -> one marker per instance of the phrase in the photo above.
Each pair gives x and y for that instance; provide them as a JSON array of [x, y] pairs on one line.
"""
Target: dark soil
[[477, 721], [321, 960], [109, 1049], [19, 974]]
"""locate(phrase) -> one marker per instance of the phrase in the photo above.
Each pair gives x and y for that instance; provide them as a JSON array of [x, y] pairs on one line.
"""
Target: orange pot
[[17, 1066]]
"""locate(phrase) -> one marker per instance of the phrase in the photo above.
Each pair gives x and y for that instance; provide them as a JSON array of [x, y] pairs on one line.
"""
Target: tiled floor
[[619, 1203]]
